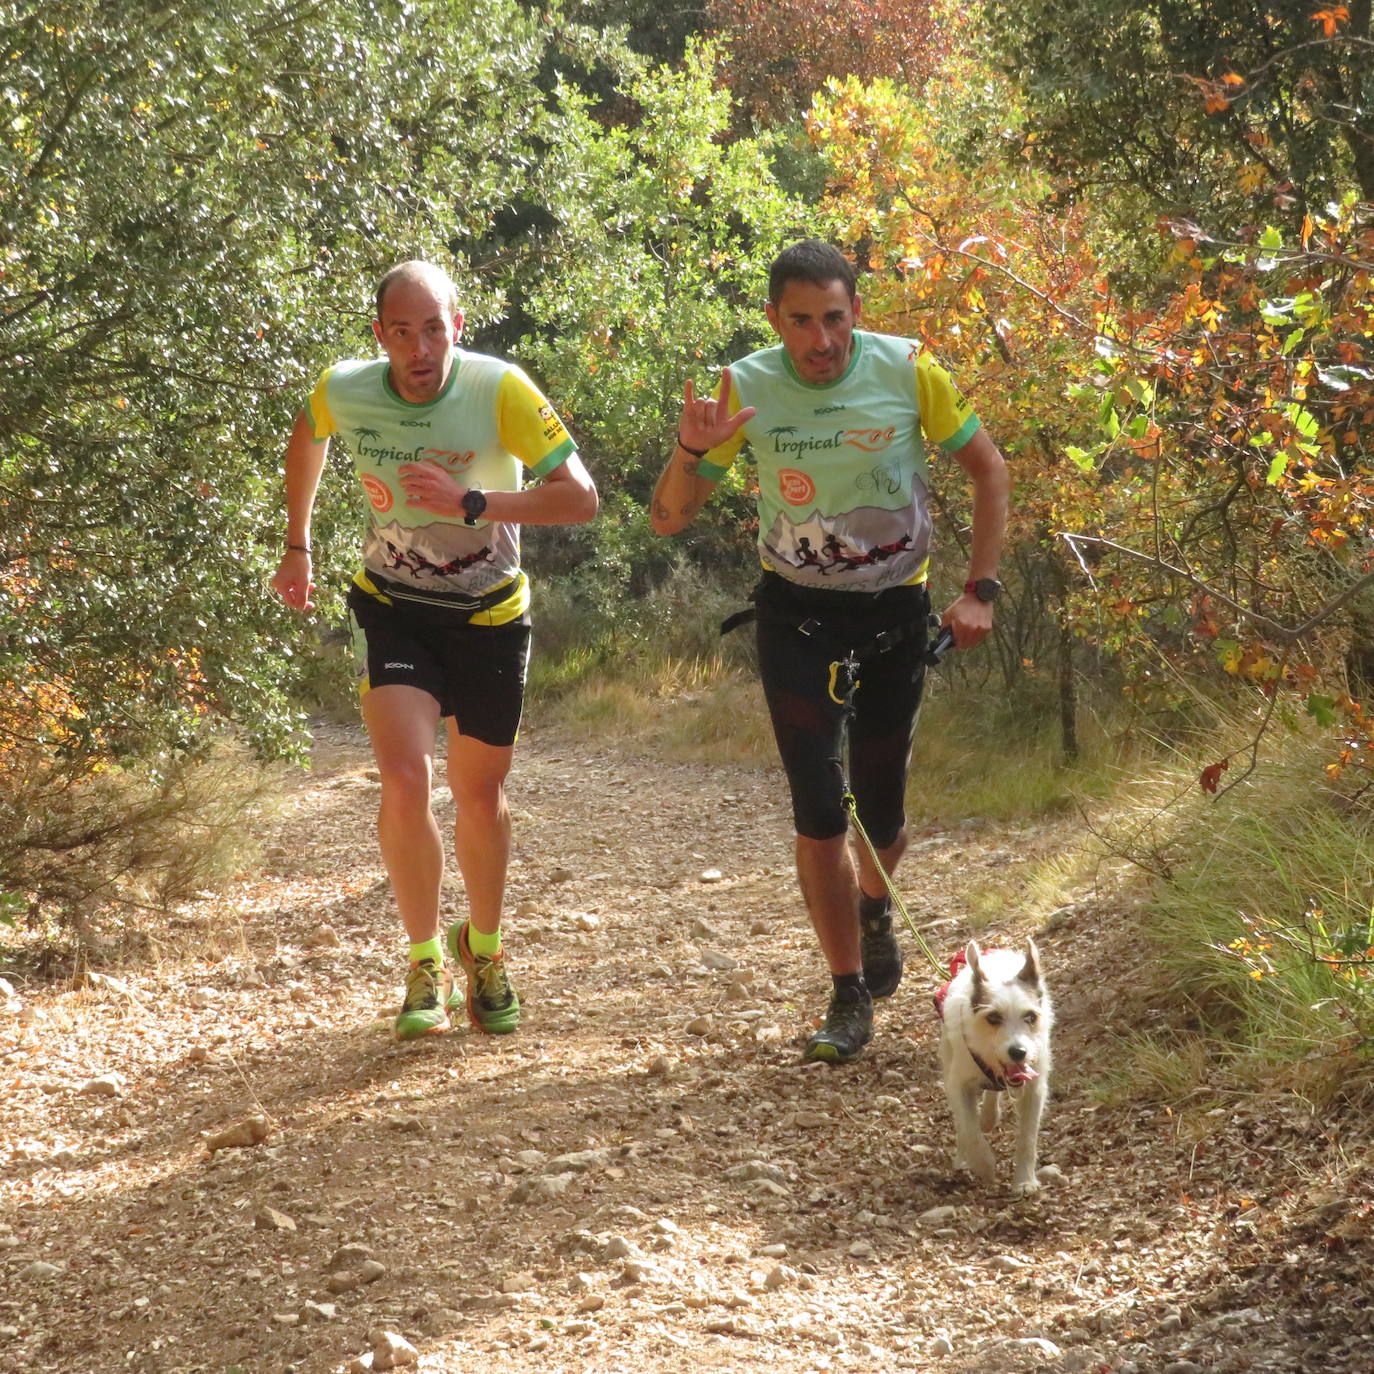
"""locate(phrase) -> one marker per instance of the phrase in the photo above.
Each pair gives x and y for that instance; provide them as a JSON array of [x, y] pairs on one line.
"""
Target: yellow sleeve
[[946, 416], [318, 405], [528, 426], [717, 461]]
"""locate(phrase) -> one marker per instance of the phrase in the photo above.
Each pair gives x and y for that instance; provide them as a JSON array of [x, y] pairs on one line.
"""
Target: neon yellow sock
[[482, 945], [430, 949]]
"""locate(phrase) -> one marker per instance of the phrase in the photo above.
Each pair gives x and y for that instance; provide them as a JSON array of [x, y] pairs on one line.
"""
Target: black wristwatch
[[474, 503], [984, 588]]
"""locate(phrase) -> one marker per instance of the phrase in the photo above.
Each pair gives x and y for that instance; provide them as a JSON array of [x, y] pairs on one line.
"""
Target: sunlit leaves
[[197, 202]]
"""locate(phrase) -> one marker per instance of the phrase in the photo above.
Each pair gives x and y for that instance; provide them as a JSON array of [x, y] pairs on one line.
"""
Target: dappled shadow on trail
[[644, 1177]]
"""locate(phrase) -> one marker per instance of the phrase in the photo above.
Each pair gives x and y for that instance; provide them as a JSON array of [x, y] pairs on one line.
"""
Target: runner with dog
[[442, 439], [842, 641]]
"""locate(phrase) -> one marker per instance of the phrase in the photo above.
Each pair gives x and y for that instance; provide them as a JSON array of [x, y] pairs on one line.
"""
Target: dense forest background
[[1139, 234]]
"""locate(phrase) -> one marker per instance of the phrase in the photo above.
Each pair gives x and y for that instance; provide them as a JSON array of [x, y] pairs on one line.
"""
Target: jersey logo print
[[866, 440], [364, 433], [377, 492], [796, 488], [828, 410], [870, 440]]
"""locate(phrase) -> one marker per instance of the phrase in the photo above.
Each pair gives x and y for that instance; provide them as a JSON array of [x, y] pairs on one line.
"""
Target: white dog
[[995, 1042]]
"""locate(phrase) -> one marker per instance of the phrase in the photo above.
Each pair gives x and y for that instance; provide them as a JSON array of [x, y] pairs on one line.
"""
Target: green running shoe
[[847, 1028], [427, 994], [492, 1004]]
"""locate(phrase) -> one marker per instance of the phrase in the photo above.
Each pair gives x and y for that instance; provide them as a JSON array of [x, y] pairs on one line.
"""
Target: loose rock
[[107, 1085], [391, 1350], [252, 1130]]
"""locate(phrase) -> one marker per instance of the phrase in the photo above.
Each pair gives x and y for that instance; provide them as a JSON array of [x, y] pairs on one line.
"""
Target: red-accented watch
[[984, 588]]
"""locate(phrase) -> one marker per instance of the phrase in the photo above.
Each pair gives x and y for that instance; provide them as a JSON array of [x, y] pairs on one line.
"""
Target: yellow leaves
[[1252, 177]]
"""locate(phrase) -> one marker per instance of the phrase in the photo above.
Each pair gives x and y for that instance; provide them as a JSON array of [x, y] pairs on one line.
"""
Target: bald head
[[419, 273]]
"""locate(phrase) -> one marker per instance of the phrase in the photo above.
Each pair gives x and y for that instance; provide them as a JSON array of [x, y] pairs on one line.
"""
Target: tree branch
[[1282, 634]]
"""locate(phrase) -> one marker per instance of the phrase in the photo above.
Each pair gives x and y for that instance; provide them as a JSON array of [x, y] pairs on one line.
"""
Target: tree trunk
[[1068, 697]]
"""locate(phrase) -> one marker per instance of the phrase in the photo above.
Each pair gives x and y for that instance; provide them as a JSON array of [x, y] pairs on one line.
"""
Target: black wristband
[[300, 548], [695, 452]]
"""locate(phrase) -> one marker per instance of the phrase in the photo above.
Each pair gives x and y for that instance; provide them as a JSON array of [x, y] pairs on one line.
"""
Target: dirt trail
[[644, 1179]]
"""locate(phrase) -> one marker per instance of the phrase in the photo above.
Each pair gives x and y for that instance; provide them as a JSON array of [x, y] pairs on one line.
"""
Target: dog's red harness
[[996, 1082], [955, 964]]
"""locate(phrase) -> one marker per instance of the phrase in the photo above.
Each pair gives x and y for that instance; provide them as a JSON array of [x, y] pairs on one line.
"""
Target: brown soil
[[644, 1178]]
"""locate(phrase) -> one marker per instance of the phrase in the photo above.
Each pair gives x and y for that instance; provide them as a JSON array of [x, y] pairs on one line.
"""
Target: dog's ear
[[972, 957], [1030, 970]]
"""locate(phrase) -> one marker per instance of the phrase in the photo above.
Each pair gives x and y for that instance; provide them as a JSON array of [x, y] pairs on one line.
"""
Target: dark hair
[[813, 261], [417, 270]]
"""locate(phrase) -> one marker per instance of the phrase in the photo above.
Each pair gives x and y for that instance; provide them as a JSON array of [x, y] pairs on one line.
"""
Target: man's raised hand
[[706, 422]]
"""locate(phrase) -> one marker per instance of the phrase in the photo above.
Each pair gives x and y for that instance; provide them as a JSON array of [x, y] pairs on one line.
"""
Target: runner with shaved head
[[443, 441]]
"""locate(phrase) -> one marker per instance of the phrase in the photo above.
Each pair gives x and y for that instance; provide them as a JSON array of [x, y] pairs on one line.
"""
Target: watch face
[[474, 502], [987, 589]]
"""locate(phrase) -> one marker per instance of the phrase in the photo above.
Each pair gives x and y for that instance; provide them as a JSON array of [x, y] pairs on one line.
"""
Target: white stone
[[391, 1350], [107, 1085]]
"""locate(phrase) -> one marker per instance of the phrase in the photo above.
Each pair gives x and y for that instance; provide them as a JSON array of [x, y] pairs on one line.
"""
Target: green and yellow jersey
[[489, 426], [842, 469]]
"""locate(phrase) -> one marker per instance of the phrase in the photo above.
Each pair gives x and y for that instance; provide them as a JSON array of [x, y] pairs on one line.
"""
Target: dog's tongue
[[1019, 1073]]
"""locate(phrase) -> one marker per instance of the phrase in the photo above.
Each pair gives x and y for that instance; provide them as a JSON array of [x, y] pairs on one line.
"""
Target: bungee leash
[[943, 643]]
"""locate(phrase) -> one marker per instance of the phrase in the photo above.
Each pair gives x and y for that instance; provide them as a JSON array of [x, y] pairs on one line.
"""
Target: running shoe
[[882, 954], [491, 1002], [847, 1028], [427, 995]]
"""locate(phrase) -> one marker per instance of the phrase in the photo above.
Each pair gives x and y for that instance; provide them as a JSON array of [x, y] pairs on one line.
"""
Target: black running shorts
[[475, 672], [804, 683]]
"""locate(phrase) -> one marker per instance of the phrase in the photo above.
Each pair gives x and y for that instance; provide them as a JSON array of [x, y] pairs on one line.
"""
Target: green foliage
[[1221, 108], [1267, 927], [199, 201], [655, 266]]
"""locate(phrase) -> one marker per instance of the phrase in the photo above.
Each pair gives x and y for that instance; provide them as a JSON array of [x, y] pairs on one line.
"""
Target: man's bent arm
[[980, 458], [565, 496], [305, 459], [680, 493], [705, 423], [987, 469]]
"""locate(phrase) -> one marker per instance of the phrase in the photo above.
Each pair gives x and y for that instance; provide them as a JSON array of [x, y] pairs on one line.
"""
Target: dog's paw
[[981, 1164], [1024, 1187]]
